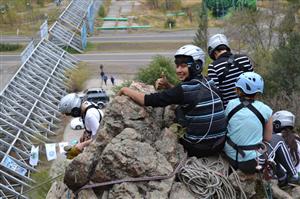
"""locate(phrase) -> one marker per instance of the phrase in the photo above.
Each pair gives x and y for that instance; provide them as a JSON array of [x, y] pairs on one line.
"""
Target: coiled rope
[[208, 179]]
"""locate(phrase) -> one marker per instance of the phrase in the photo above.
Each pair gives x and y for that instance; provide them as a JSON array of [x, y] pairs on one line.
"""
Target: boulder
[[82, 167]]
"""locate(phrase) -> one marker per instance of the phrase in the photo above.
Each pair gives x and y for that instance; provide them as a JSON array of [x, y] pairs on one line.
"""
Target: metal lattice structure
[[64, 36], [75, 13], [28, 113], [67, 31]]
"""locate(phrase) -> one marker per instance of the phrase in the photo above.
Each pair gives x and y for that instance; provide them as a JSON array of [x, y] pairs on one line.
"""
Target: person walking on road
[[112, 79]]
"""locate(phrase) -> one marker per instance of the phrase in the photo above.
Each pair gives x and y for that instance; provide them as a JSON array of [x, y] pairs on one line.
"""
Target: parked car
[[94, 90], [76, 123], [95, 95]]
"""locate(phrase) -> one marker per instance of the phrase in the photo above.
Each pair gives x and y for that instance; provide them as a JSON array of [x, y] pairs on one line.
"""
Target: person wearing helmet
[[226, 67], [283, 125], [200, 109], [91, 115], [249, 141]]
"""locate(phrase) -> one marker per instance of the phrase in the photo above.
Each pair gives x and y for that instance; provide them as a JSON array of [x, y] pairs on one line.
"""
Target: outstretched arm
[[268, 130], [136, 96]]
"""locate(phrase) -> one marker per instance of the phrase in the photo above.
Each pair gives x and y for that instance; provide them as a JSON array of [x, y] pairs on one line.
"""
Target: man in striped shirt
[[226, 67]]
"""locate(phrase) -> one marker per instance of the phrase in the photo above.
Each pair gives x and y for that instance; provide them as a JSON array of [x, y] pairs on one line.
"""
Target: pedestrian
[[200, 111], [226, 67], [105, 79], [112, 79], [249, 132], [283, 125], [72, 105]]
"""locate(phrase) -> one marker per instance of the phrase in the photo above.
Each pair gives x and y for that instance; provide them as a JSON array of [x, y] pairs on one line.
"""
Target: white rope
[[209, 179]]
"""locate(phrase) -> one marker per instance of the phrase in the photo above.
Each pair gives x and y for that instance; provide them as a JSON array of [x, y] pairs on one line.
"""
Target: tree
[[201, 36], [284, 74], [158, 65]]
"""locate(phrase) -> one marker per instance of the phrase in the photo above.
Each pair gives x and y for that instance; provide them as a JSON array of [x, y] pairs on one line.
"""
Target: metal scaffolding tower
[[28, 113]]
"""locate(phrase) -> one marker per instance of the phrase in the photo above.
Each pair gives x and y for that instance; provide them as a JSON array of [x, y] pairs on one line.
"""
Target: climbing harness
[[209, 179], [245, 103]]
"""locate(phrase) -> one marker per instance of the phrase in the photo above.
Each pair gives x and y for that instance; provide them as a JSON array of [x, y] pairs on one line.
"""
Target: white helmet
[[68, 103], [195, 58], [283, 119], [215, 41], [191, 50]]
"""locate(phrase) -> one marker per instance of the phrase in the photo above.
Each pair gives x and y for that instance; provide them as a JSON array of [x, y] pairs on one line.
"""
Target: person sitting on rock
[[200, 111], [283, 125], [249, 141], [91, 115]]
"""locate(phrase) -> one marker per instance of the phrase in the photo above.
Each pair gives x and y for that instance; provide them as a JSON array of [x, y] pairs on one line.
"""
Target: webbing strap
[[247, 104], [83, 116], [230, 61], [139, 179], [240, 149]]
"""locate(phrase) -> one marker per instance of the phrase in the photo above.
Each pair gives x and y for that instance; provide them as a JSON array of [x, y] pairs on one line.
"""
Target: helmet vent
[[248, 87]]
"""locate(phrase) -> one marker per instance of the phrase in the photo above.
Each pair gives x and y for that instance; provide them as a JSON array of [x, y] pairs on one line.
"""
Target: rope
[[208, 179], [139, 179]]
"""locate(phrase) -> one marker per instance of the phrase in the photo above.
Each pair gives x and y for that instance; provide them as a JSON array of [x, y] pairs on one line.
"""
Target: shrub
[[101, 11], [77, 78], [158, 65], [170, 23], [9, 47], [126, 83]]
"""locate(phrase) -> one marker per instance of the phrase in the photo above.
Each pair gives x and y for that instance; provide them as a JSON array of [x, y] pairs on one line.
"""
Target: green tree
[[101, 11], [219, 8], [157, 66], [284, 73], [201, 36]]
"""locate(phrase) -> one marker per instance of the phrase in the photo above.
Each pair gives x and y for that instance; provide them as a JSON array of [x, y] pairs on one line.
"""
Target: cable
[[209, 179]]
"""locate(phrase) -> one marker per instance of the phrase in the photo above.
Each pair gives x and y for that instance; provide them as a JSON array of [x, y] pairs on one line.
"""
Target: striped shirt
[[216, 69]]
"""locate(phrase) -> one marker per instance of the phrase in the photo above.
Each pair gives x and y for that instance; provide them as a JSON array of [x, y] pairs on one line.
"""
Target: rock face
[[134, 141]]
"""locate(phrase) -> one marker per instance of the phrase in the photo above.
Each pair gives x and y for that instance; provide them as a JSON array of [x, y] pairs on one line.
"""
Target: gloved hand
[[72, 151]]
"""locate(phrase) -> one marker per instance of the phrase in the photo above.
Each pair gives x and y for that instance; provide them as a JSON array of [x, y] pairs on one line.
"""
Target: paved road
[[129, 57], [112, 36]]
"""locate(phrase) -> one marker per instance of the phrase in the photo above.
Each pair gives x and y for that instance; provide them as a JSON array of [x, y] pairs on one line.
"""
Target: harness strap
[[241, 148], [230, 61], [83, 116]]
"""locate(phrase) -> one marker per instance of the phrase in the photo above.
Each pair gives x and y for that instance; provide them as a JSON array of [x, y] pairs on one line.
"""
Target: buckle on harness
[[262, 148]]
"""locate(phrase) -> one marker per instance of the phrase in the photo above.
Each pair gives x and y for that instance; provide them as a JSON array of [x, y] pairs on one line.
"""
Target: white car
[[77, 123]]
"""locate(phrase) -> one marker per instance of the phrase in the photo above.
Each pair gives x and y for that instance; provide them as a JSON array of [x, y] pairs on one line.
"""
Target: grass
[[157, 18], [28, 19], [128, 46]]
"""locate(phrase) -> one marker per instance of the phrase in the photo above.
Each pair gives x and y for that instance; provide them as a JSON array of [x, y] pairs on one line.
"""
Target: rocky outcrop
[[133, 141]]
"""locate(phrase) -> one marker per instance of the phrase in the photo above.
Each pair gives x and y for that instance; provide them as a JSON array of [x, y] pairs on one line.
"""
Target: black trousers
[[277, 150], [206, 147]]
